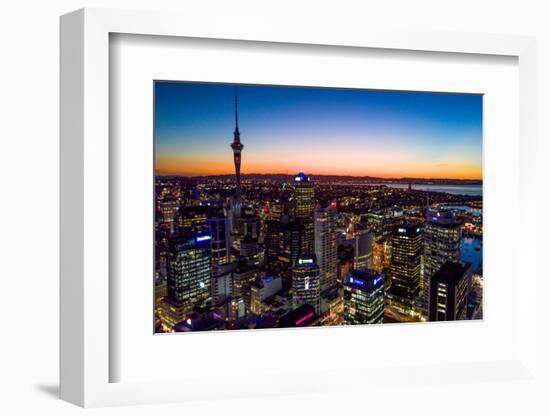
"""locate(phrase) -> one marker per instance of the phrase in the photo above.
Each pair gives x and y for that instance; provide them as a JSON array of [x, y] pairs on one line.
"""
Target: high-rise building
[[442, 239], [363, 297], [168, 208], [405, 266], [382, 222], [304, 205], [273, 241], [189, 269], [381, 253], [306, 286], [192, 220], [189, 278], [304, 197], [278, 243], [326, 250], [449, 289], [299, 239], [362, 248], [219, 230]]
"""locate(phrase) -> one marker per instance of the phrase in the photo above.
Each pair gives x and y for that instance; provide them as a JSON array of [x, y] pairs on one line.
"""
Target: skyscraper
[[363, 297], [168, 208], [189, 278], [449, 288], [362, 248], [325, 221], [219, 230], [405, 266], [304, 205], [304, 196], [442, 237], [189, 269], [192, 220], [306, 283]]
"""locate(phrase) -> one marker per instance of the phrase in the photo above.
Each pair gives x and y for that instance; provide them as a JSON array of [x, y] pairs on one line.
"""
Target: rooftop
[[451, 272]]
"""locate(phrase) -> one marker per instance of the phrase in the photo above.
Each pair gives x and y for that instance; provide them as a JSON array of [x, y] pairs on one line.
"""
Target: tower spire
[[237, 147], [236, 111]]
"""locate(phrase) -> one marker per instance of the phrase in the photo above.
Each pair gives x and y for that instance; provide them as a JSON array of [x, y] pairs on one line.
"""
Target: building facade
[[363, 297], [306, 285], [442, 238], [362, 259], [449, 289], [326, 250], [189, 269], [405, 266]]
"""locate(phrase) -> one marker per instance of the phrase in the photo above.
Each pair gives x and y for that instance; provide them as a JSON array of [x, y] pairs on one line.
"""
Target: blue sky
[[317, 130]]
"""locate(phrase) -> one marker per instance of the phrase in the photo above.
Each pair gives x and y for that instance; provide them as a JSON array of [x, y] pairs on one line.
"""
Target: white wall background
[[29, 115]]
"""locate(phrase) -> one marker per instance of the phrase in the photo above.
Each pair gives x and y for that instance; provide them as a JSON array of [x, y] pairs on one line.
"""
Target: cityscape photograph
[[293, 207]]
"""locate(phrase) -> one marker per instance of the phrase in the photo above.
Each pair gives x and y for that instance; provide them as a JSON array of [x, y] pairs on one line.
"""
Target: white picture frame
[[86, 356]]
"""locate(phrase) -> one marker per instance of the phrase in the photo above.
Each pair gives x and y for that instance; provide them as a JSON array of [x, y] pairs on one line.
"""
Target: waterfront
[[472, 190], [470, 254]]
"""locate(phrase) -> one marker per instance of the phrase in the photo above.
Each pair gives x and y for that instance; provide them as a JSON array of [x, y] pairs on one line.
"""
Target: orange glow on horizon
[[188, 166]]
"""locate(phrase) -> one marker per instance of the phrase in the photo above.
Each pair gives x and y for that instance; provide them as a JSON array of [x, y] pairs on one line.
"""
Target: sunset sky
[[318, 131]]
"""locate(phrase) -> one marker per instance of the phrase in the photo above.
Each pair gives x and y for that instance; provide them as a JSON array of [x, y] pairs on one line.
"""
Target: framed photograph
[[256, 215]]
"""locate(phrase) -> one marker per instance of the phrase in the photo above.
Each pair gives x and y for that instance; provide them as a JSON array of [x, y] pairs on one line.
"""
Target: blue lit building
[[363, 297], [189, 269]]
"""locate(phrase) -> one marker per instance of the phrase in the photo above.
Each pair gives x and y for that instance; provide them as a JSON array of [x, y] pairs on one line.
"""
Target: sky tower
[[237, 147]]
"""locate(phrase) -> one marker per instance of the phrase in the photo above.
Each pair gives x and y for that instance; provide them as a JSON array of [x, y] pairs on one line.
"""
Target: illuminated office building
[[304, 205], [363, 297], [306, 286], [362, 248], [304, 197], [381, 254], [189, 269], [243, 276], [192, 220], [326, 252], [168, 208], [171, 312], [442, 237], [263, 289], [382, 222], [405, 266], [449, 289]]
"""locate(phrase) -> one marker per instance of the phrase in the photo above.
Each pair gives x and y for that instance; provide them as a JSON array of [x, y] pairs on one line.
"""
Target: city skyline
[[384, 134], [294, 251]]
